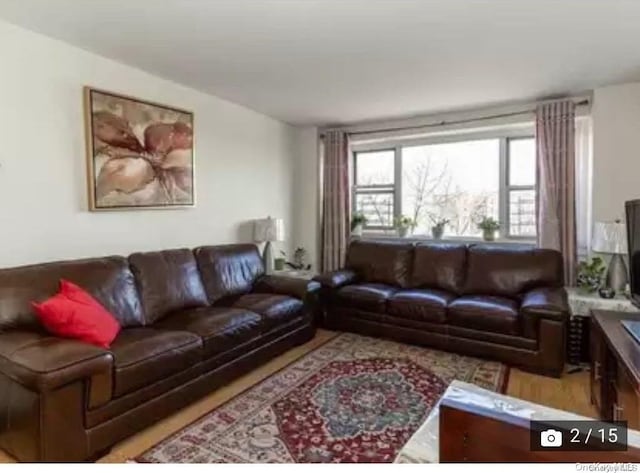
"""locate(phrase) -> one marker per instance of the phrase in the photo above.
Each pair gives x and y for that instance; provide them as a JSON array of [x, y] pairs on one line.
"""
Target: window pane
[[455, 181], [522, 162], [378, 208], [375, 168], [522, 213]]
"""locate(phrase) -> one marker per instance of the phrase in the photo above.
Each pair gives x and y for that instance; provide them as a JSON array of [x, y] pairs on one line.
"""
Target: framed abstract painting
[[140, 155]]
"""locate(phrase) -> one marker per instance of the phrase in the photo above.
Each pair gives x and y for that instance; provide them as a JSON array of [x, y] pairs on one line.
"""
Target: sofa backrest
[[381, 262], [107, 279], [509, 272], [229, 270], [167, 281], [440, 266]]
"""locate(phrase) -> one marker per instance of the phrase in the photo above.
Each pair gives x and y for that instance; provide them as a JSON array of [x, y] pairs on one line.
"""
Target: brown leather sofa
[[192, 321], [502, 303]]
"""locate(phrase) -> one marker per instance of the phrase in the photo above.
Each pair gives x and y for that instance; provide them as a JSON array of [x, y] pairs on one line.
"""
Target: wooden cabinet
[[615, 368], [625, 402], [597, 365]]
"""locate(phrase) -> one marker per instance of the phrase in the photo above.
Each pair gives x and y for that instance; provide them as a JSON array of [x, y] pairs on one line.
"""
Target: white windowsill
[[446, 239]]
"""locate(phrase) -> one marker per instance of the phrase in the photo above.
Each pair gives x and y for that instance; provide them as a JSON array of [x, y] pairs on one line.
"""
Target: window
[[521, 187], [374, 187], [460, 180], [457, 181]]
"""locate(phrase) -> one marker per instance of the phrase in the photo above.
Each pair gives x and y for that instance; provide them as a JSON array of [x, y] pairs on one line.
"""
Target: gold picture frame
[[140, 154]]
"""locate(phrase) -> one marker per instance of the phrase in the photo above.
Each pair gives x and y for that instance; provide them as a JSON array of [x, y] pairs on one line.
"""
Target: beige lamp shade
[[268, 229], [609, 237]]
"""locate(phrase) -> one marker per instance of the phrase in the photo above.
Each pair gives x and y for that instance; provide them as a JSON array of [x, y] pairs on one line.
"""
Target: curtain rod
[[452, 122]]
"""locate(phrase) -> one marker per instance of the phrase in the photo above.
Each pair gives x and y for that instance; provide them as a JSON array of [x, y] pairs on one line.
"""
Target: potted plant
[[590, 274], [489, 227], [404, 225], [437, 230], [358, 221], [299, 262]]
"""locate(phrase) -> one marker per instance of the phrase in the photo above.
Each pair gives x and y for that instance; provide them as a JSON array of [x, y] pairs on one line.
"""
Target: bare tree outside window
[[458, 181], [426, 186]]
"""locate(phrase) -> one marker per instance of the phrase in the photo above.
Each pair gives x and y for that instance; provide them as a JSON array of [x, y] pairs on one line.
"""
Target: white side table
[[581, 304]]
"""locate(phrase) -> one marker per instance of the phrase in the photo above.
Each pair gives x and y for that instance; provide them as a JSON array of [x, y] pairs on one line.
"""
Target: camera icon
[[551, 438]]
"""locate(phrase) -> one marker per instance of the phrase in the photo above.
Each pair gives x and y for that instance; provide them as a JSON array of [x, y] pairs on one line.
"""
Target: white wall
[[306, 232], [243, 160], [615, 115], [616, 149]]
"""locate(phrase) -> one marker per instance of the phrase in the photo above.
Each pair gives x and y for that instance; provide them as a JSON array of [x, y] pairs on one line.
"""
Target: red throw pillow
[[74, 313]]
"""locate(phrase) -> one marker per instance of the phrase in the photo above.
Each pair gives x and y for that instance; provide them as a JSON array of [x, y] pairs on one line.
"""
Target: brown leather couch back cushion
[[381, 262], [511, 271], [229, 270], [440, 266], [168, 281], [108, 279]]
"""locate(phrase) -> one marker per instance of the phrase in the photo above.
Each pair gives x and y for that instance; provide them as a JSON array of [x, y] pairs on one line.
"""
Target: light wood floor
[[570, 393]]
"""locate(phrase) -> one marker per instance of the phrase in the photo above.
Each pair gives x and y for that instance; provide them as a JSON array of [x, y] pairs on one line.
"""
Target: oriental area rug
[[353, 399]]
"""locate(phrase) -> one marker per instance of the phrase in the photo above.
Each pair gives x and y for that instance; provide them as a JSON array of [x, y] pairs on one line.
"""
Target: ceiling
[[342, 61]]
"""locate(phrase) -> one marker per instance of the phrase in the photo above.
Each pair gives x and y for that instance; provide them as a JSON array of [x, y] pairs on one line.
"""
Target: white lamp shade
[[609, 237], [268, 229]]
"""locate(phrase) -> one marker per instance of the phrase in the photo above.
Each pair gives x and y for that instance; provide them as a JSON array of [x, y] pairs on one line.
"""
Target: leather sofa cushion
[[275, 309], [367, 296], [221, 328], [228, 270], [510, 272], [108, 280], [440, 266], [168, 281], [143, 356], [381, 262], [490, 313], [426, 305]]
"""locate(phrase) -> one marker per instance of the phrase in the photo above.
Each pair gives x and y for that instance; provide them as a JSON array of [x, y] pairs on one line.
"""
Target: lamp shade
[[268, 229], [609, 237]]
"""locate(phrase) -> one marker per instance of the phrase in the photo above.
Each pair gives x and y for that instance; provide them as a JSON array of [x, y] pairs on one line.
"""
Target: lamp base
[[617, 274], [267, 258]]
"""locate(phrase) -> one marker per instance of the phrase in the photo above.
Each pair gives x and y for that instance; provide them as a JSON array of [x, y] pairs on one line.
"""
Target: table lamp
[[611, 238], [267, 230]]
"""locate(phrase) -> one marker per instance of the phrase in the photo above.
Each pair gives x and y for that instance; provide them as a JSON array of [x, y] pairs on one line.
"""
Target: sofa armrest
[[43, 362], [336, 279], [288, 286], [546, 302]]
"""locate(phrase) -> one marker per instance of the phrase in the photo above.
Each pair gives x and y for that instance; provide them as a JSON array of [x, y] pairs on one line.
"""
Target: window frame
[[504, 135], [392, 188], [508, 188]]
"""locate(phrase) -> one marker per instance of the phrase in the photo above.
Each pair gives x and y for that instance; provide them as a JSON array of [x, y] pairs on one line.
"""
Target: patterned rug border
[[138, 458]]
